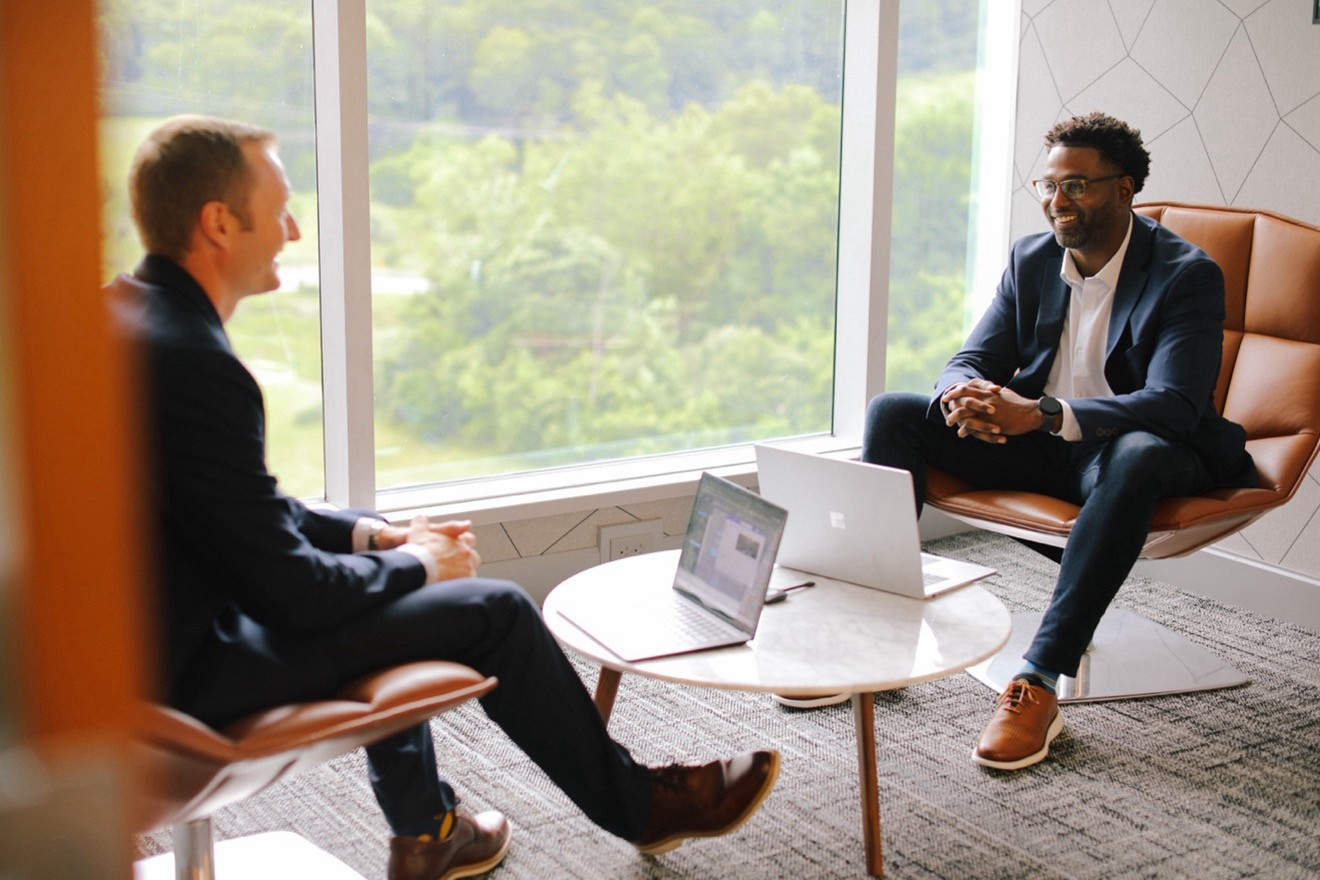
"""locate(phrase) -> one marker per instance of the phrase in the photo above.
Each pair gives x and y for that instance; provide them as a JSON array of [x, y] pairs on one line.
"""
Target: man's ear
[[1126, 189], [215, 223]]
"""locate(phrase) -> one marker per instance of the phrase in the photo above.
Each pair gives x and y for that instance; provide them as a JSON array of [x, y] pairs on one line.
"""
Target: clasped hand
[[988, 412], [452, 543]]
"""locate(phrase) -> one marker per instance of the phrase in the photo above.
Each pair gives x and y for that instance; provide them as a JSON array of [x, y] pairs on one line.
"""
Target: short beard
[[1071, 238]]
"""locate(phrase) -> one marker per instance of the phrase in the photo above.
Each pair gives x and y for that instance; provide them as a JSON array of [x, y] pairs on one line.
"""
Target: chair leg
[[194, 850]]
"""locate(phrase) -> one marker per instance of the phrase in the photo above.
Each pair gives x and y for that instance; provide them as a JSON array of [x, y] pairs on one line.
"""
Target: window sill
[[589, 487]]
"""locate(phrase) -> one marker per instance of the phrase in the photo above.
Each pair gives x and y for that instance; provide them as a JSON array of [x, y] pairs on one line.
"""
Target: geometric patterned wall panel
[[1227, 96]]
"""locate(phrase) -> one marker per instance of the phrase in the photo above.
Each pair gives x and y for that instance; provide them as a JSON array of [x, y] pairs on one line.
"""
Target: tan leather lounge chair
[[1269, 383], [191, 770]]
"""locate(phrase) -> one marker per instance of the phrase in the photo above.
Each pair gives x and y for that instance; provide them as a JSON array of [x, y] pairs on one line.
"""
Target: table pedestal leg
[[864, 721], [607, 687]]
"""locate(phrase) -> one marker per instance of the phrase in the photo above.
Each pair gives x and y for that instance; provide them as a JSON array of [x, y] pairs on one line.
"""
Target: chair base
[[1129, 657], [274, 854]]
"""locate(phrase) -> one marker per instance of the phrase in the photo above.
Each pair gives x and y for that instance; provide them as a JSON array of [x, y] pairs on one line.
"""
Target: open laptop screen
[[729, 550]]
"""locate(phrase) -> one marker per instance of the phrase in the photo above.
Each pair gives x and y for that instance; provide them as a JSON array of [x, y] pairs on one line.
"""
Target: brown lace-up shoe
[[813, 701], [1026, 721], [475, 844], [705, 800]]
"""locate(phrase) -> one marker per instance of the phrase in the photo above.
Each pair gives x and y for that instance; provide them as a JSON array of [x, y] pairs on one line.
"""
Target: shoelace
[[673, 776], [1018, 692]]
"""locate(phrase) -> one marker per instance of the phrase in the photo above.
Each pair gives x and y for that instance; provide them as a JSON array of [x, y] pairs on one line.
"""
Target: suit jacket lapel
[[1054, 296], [1051, 311], [1132, 280]]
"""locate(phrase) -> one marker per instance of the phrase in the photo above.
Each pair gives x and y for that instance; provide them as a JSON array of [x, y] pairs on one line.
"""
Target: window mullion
[[866, 186], [343, 198]]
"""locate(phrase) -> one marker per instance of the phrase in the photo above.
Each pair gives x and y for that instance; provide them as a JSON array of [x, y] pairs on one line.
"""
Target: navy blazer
[[1163, 354], [229, 544]]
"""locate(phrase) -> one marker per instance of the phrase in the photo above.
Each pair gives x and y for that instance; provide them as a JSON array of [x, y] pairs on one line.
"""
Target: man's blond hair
[[185, 162]]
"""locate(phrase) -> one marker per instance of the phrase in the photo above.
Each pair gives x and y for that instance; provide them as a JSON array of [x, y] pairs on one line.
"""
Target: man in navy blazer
[[1090, 378], [264, 601]]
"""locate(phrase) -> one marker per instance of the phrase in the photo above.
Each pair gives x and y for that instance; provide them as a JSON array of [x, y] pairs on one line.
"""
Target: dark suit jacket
[[228, 541], [1164, 349]]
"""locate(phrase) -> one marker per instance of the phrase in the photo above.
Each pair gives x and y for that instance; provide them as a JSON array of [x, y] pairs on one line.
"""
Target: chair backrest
[[1270, 378]]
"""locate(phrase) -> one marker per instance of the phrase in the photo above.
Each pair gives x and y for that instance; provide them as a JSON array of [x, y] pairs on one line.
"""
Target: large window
[[599, 230], [596, 231], [243, 59]]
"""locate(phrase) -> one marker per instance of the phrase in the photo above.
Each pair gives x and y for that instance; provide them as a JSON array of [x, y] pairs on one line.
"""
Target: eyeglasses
[[1073, 188]]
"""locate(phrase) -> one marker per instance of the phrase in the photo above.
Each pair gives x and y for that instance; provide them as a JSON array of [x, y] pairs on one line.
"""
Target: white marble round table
[[832, 638]]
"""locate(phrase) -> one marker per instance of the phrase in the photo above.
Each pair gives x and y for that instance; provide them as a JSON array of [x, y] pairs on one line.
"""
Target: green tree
[[932, 185], [570, 307]]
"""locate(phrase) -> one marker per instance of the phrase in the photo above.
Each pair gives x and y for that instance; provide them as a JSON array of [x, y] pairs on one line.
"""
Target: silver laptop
[[719, 589], [855, 522]]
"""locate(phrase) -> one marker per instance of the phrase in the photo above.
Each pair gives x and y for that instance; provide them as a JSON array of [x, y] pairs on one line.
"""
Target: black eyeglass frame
[[1079, 183]]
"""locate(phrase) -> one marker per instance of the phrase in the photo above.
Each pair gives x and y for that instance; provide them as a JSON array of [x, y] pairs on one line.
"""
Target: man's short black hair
[[1118, 143]]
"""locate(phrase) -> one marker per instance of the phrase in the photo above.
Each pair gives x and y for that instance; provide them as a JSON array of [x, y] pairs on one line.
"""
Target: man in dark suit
[[1089, 378], [264, 601]]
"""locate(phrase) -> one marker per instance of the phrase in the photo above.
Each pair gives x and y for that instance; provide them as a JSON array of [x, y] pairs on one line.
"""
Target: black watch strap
[[1050, 409]]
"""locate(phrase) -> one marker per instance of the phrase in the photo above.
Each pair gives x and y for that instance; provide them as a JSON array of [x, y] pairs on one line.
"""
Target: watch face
[[1049, 411]]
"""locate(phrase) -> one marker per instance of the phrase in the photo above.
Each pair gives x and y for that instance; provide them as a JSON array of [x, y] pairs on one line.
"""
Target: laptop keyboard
[[655, 626], [688, 623]]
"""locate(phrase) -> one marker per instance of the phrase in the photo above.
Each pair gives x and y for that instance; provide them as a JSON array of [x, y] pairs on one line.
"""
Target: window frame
[[870, 74]]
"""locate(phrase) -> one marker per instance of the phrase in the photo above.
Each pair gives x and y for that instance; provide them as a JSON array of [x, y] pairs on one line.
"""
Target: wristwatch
[[1050, 409], [373, 534]]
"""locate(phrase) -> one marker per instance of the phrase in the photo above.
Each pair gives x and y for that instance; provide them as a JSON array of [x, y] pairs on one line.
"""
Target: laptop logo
[[837, 520]]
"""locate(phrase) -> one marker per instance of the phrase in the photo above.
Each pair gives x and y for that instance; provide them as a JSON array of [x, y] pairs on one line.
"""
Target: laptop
[[855, 522], [724, 568]]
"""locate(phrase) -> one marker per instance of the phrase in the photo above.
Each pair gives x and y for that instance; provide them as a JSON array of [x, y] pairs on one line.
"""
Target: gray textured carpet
[[1211, 785]]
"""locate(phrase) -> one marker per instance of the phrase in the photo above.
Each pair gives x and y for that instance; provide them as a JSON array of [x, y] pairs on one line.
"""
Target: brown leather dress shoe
[[1026, 721], [474, 846], [705, 800], [812, 701]]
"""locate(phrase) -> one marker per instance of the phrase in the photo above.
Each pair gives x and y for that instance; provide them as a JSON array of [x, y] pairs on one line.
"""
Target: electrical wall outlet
[[629, 539]]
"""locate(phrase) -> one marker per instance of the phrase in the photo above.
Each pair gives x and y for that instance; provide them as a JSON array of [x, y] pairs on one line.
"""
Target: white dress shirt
[[1079, 366]]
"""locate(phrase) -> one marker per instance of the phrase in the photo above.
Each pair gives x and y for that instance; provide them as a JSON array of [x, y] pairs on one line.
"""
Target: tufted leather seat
[[1269, 383], [191, 770]]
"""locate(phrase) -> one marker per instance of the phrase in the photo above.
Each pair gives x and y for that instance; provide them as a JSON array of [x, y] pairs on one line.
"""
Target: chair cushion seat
[[194, 770], [1052, 516]]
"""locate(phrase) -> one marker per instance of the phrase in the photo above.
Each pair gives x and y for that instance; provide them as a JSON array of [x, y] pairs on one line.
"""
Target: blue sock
[[1048, 680]]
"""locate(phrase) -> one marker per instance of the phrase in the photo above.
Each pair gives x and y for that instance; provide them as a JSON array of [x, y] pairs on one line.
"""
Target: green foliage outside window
[[616, 222]]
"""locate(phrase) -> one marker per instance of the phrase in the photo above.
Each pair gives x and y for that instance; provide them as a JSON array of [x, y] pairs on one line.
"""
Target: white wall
[[1226, 94]]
